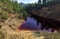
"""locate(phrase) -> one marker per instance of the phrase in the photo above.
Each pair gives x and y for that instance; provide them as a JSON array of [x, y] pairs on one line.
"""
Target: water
[[31, 24]]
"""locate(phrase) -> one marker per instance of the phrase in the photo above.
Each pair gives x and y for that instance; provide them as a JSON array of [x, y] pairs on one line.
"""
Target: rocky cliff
[[52, 11]]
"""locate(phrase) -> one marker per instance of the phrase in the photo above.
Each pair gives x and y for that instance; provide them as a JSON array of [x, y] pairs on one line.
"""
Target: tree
[[39, 1], [44, 1]]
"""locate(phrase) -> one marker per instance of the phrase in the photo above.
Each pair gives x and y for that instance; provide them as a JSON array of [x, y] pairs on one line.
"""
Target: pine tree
[[44, 1], [39, 1]]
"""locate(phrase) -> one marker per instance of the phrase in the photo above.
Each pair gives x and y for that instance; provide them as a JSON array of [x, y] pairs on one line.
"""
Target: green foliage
[[30, 7], [12, 7], [15, 6], [4, 15], [0, 32], [38, 5]]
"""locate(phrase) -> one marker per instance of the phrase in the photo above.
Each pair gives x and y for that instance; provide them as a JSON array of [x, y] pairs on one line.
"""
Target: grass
[[46, 35], [56, 36]]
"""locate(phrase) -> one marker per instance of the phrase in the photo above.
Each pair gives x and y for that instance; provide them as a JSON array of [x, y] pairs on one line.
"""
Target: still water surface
[[31, 24]]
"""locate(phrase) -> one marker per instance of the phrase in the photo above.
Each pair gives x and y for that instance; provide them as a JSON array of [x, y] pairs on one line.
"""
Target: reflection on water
[[31, 24], [33, 21]]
